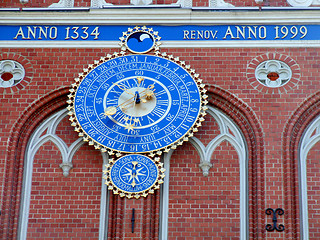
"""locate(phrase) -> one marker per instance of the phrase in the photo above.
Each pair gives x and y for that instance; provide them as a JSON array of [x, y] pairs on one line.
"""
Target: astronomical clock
[[135, 105]]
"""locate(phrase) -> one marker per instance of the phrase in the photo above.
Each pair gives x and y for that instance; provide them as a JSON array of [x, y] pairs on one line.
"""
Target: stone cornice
[[160, 16]]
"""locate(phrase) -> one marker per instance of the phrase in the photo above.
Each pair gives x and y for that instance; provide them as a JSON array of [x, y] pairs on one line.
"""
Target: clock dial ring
[[134, 175], [145, 107], [183, 97]]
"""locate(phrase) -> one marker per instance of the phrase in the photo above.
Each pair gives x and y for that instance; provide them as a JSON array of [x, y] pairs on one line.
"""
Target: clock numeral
[[114, 91], [105, 86], [190, 119], [80, 99], [126, 84], [112, 63], [158, 111], [120, 76], [119, 117], [112, 101], [90, 111], [183, 76], [79, 109], [175, 69], [155, 128], [175, 102], [139, 73], [194, 109], [81, 117], [150, 120], [123, 60], [167, 64], [92, 132], [86, 125], [111, 143], [102, 115], [133, 148], [171, 87], [134, 59], [162, 102], [169, 117], [101, 138], [145, 147], [98, 100], [160, 93], [184, 127]]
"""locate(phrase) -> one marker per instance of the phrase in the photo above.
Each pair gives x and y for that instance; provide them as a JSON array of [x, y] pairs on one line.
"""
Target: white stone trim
[[307, 142], [276, 66], [164, 203], [205, 152], [302, 3], [99, 3], [219, 4], [44, 133], [162, 16], [104, 203], [13, 67], [63, 4]]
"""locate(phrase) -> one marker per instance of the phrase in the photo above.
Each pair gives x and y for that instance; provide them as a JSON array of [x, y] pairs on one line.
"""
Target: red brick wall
[[313, 180], [65, 207], [204, 207]]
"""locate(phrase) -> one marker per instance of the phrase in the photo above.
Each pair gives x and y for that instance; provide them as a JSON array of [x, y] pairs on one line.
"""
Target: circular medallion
[[137, 103], [11, 73], [134, 175], [140, 42]]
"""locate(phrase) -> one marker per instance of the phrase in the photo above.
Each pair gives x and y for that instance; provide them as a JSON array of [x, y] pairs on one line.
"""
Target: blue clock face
[[137, 103], [134, 173]]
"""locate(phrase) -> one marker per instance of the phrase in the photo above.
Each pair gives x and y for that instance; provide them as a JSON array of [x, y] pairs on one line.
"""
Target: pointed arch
[[232, 116], [46, 132], [247, 122], [16, 147], [296, 141]]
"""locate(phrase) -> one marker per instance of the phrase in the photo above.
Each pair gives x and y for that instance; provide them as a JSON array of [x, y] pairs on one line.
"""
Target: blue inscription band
[[168, 33], [137, 104], [134, 175]]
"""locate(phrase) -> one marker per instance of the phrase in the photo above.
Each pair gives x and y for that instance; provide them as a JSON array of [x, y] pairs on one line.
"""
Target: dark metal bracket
[[274, 226], [132, 221]]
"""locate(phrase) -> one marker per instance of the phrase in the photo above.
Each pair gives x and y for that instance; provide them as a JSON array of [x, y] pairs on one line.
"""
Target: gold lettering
[[193, 34], [20, 33], [33, 33], [200, 34], [53, 33], [213, 35], [263, 33], [253, 32], [242, 32], [43, 32], [185, 34], [229, 32]]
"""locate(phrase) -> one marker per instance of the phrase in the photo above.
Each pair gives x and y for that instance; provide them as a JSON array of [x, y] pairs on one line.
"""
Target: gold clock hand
[[148, 93], [123, 88]]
